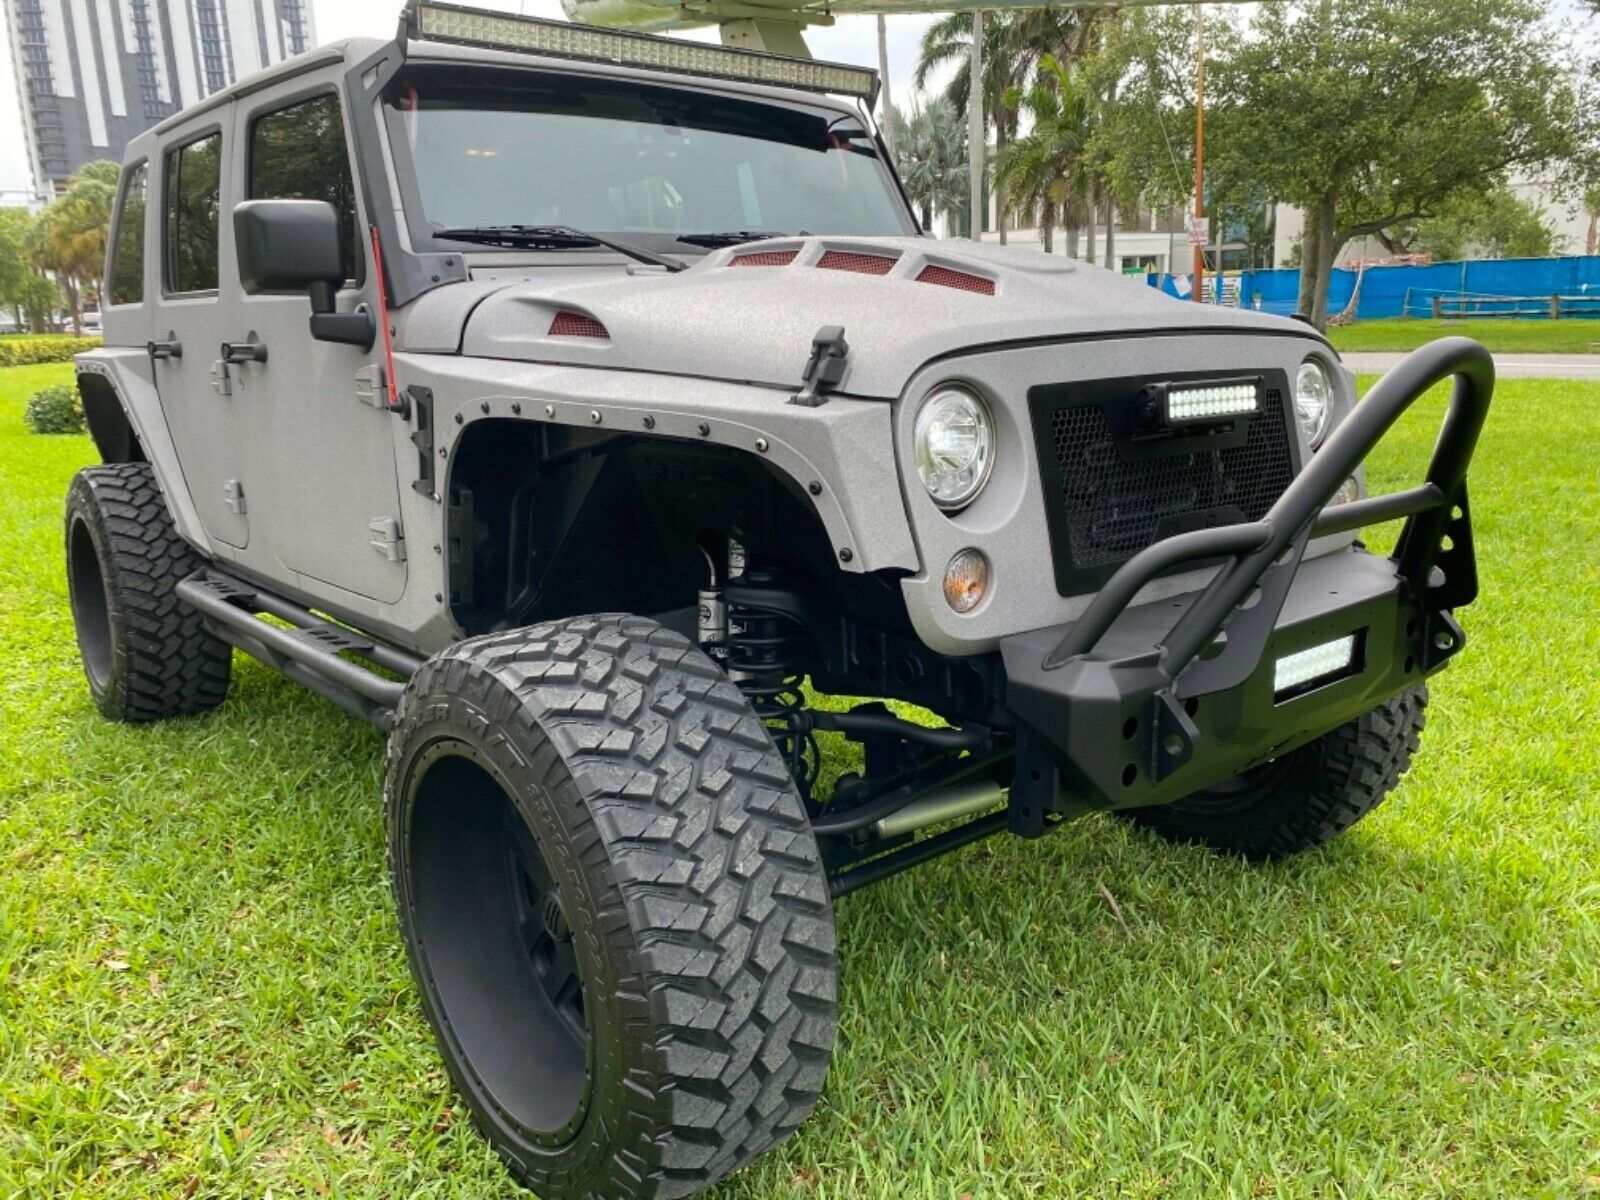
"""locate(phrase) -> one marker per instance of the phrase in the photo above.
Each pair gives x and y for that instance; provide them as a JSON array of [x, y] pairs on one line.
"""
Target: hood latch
[[826, 367]]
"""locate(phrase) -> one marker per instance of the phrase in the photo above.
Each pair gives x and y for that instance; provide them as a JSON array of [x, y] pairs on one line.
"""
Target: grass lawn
[[1501, 335], [202, 992]]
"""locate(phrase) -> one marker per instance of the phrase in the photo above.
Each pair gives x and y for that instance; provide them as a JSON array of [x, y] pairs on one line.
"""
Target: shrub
[[26, 350], [55, 409]]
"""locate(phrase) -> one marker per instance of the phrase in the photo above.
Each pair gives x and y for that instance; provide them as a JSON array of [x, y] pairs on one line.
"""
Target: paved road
[[1507, 366]]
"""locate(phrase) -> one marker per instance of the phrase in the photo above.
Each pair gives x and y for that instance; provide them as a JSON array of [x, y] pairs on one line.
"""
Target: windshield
[[617, 157]]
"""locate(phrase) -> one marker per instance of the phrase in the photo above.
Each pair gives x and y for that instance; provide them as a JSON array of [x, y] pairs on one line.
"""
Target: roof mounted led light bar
[[532, 35]]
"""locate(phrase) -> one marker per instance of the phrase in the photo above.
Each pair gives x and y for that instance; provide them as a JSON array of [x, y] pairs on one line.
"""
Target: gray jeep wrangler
[[581, 407]]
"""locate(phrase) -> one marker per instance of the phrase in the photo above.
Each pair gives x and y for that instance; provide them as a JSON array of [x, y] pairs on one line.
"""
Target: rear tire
[[146, 654], [1307, 797], [613, 906]]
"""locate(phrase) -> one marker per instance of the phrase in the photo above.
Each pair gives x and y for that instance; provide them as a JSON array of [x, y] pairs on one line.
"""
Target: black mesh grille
[[1114, 506]]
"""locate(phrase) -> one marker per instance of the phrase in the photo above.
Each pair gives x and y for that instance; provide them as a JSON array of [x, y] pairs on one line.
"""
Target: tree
[[1496, 224], [1368, 115], [28, 292], [1013, 43], [932, 151], [1046, 173], [1591, 205], [1142, 147], [69, 237]]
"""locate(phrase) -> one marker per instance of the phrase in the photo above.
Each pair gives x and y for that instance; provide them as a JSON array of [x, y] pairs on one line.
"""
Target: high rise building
[[91, 74]]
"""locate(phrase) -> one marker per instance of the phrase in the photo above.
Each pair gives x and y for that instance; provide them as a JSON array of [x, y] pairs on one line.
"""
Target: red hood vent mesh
[[764, 258], [861, 264], [960, 280], [571, 324]]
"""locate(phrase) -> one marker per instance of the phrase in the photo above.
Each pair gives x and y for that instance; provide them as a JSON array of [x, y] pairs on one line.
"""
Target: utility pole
[[975, 141], [1199, 157]]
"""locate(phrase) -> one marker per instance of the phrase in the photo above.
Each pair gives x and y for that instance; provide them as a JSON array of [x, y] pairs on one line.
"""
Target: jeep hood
[[749, 313]]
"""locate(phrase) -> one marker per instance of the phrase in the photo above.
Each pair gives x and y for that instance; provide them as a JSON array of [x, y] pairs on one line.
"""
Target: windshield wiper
[[730, 237], [555, 237]]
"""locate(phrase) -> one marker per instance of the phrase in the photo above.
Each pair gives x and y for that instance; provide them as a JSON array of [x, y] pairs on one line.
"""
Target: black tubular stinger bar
[[915, 854], [1302, 510], [885, 723]]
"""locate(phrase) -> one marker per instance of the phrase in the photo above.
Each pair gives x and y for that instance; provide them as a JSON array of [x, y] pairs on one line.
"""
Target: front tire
[[146, 653], [1306, 798], [613, 906]]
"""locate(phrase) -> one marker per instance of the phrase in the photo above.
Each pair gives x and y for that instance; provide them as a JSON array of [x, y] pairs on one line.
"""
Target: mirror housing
[[291, 246]]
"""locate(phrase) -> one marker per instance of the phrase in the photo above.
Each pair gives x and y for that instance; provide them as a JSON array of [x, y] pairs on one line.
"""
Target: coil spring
[[764, 646]]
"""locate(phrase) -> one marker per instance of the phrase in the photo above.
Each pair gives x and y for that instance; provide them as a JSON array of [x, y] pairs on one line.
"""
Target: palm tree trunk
[[975, 129], [70, 286], [1093, 207], [1593, 244], [999, 188], [883, 74], [1072, 237], [1047, 226], [1111, 235]]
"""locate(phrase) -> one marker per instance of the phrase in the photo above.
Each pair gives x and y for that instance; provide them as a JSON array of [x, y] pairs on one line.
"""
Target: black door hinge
[[422, 438], [825, 368]]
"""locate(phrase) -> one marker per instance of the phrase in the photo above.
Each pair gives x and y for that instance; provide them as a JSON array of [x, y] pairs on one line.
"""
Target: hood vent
[[764, 258], [571, 324], [960, 280], [861, 264]]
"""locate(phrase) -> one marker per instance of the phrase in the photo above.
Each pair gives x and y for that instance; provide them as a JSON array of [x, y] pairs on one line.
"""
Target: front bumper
[[1141, 704]]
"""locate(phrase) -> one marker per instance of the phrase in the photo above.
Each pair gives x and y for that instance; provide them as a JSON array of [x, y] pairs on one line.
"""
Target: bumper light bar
[[1300, 672], [1211, 402], [509, 31]]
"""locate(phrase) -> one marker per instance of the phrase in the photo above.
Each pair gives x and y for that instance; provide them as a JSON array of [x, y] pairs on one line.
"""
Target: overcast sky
[[853, 40]]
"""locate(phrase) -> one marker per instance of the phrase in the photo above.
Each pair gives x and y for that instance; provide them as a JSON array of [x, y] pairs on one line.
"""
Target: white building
[[91, 74]]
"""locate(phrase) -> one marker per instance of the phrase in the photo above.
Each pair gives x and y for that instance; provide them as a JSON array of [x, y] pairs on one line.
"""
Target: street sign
[[1199, 231]]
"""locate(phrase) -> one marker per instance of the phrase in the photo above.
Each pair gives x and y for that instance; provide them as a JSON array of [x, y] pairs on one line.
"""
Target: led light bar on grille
[[1211, 401], [509, 31], [1297, 672]]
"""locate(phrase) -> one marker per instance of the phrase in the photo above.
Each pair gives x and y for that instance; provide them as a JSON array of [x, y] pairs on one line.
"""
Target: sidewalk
[[1507, 366]]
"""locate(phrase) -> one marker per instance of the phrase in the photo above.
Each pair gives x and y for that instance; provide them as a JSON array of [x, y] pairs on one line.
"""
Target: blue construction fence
[[1511, 287]]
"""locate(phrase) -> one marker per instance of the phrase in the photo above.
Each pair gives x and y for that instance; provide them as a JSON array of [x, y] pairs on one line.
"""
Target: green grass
[[202, 991], [1501, 335]]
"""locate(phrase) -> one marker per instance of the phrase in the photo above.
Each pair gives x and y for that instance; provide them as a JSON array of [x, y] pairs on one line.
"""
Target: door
[[322, 458], [197, 272]]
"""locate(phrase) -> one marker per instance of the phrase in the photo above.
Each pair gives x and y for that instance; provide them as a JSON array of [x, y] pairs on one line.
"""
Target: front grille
[[1111, 497]]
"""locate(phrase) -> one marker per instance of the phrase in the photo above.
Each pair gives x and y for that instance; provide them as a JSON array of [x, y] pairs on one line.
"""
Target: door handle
[[170, 348], [244, 352]]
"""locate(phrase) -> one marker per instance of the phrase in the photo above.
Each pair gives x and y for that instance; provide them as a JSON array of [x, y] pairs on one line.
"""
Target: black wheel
[[613, 905], [1307, 797], [146, 653]]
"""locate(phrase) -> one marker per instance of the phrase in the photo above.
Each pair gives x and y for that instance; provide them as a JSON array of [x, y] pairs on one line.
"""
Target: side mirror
[[291, 246]]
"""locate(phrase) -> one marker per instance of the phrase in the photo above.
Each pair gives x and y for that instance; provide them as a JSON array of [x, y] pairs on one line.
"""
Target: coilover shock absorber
[[764, 642]]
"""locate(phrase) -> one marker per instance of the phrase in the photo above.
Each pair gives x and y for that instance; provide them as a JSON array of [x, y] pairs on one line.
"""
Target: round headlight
[[954, 446], [1313, 396]]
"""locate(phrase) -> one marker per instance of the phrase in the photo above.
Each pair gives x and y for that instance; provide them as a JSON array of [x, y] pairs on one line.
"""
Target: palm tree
[[69, 237], [1014, 44], [1046, 172], [931, 148]]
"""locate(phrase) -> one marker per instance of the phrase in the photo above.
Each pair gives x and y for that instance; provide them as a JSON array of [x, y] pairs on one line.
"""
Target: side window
[[193, 200], [127, 252], [298, 153]]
